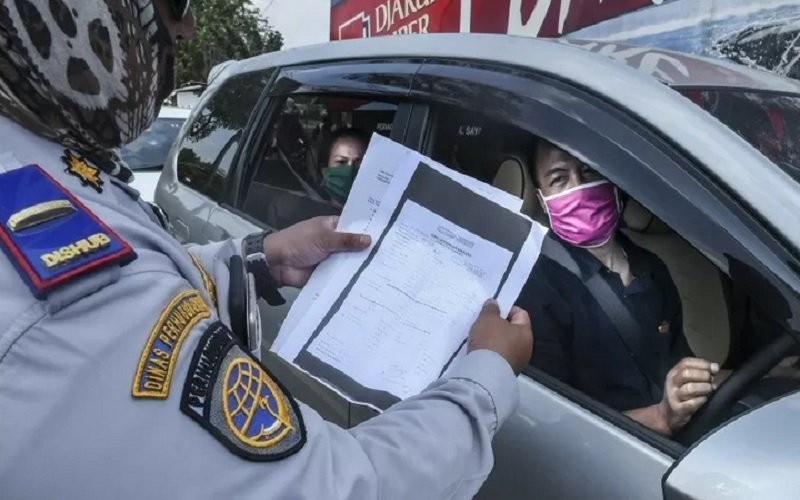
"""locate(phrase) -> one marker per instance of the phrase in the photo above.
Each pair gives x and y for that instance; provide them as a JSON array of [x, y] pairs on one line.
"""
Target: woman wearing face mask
[[342, 154], [575, 339]]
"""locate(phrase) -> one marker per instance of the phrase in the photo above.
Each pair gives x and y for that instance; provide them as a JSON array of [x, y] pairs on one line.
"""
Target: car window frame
[[348, 78], [575, 101], [210, 93]]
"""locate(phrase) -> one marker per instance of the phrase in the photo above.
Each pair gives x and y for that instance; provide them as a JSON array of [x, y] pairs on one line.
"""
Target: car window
[[706, 301], [769, 122], [213, 138], [150, 149], [286, 185], [474, 144]]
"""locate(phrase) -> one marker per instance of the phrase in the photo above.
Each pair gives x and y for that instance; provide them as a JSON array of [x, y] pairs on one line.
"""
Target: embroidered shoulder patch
[[160, 353], [235, 398], [208, 283], [49, 235], [87, 174]]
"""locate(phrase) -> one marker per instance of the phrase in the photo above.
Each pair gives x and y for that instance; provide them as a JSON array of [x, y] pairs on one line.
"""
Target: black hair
[[538, 145], [326, 146]]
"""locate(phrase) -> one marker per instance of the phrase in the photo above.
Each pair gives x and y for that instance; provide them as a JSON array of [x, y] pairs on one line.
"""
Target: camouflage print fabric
[[88, 74]]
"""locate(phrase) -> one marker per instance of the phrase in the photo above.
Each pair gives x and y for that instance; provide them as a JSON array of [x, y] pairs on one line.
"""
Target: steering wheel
[[735, 386]]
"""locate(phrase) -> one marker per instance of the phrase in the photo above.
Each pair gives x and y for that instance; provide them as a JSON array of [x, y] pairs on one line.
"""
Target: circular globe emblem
[[254, 406]]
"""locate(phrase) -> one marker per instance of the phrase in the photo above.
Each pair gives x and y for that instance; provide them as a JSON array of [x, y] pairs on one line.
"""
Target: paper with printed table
[[379, 326]]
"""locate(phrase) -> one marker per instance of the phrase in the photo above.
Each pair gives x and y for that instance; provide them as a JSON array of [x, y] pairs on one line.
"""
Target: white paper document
[[417, 297], [381, 161], [384, 323]]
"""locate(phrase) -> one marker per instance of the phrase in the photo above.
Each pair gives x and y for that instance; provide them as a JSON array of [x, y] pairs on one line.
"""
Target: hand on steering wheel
[[734, 387], [687, 388]]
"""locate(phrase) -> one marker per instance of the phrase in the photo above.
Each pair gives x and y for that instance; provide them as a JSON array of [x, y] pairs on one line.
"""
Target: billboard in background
[[367, 18], [760, 33]]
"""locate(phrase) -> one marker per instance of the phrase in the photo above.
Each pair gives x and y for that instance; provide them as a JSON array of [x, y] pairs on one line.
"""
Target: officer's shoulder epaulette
[[49, 235]]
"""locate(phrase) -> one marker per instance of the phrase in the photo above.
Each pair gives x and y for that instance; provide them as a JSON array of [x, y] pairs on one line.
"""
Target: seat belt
[[626, 325]]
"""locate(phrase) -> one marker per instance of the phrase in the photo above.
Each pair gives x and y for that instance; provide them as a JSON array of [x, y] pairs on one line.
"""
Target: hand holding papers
[[381, 325]]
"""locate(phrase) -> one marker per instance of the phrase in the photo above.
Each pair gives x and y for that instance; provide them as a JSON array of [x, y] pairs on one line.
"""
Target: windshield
[[150, 149], [770, 122]]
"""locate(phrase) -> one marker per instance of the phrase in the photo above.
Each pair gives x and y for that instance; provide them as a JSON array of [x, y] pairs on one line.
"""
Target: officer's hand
[[294, 252], [688, 385], [510, 338]]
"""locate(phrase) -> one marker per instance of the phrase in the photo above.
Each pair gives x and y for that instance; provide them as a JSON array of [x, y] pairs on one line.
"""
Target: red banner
[[366, 18], [547, 18]]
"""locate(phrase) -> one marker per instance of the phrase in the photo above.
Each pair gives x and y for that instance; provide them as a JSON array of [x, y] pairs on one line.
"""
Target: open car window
[[285, 185], [719, 318]]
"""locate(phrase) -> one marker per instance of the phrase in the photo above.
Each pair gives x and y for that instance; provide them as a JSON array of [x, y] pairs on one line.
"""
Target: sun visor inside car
[[374, 116], [374, 121]]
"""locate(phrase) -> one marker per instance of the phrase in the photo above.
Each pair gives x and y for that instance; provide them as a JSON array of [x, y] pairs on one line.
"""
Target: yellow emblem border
[[154, 333], [283, 415]]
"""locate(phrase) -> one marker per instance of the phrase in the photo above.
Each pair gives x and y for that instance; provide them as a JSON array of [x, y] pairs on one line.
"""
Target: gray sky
[[302, 22]]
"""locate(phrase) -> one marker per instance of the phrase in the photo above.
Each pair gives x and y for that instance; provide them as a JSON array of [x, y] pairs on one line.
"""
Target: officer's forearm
[[438, 444], [219, 251], [212, 261]]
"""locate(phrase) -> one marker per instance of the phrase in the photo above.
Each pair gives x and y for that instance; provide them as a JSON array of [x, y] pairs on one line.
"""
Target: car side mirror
[[751, 456]]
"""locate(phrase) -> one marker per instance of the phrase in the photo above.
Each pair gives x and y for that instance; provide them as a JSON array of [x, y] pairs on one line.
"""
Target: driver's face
[[347, 151], [557, 171]]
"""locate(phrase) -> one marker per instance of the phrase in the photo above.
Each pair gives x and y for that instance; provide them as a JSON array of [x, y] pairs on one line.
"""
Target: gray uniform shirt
[[76, 424]]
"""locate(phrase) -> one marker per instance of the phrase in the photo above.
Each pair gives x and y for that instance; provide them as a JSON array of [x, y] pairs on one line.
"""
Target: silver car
[[708, 152]]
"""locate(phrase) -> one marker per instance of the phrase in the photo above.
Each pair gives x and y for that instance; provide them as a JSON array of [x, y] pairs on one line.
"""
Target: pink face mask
[[585, 216]]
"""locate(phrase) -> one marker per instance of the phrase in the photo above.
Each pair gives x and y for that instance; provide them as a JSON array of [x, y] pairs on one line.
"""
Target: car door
[[560, 443], [271, 188]]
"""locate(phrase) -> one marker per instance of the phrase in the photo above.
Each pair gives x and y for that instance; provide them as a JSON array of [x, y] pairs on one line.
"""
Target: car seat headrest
[[510, 177], [514, 177], [640, 219]]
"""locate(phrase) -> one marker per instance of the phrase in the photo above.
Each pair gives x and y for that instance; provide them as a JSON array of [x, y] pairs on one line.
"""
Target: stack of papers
[[380, 325]]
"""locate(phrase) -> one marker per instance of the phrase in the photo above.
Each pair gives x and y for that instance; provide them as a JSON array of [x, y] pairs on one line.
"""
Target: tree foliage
[[226, 29]]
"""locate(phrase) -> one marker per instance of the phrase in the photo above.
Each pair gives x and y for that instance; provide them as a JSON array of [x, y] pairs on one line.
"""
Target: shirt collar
[[589, 265]]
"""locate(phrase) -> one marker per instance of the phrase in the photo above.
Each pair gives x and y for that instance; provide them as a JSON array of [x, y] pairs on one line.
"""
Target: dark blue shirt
[[576, 342]]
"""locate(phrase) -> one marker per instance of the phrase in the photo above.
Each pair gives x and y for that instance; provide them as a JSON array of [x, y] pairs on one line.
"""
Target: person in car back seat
[[576, 341], [342, 153]]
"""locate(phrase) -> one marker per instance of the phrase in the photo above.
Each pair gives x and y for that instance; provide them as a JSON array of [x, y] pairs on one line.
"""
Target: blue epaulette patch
[[49, 235], [234, 397]]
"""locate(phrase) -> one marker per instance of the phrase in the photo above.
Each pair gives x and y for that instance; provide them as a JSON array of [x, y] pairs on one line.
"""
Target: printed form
[[390, 320], [416, 297], [382, 159]]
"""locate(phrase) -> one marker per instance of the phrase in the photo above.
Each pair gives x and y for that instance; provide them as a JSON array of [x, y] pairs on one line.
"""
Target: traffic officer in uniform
[[120, 376]]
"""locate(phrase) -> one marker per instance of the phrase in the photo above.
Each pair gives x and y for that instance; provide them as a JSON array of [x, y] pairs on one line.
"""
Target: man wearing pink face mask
[[643, 367]]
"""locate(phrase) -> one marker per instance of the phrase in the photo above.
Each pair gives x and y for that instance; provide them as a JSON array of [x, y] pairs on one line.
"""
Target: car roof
[[174, 112], [760, 184], [669, 67]]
